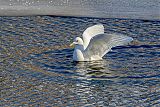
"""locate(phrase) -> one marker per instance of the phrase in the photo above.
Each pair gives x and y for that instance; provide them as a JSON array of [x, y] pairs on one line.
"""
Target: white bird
[[96, 43]]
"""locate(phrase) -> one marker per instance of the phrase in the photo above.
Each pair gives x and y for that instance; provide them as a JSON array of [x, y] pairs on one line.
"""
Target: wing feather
[[101, 44], [91, 32]]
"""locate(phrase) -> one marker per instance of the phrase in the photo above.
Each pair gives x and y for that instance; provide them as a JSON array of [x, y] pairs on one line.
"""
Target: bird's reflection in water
[[95, 69], [92, 85]]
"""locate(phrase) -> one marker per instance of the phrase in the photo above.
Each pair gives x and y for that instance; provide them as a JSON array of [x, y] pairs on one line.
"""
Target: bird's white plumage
[[91, 32], [96, 43]]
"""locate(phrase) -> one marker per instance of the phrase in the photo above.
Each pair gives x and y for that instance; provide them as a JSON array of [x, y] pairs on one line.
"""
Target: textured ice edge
[[82, 8]]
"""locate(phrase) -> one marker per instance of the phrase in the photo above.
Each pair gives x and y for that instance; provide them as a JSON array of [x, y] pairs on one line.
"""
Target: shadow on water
[[120, 63], [61, 62]]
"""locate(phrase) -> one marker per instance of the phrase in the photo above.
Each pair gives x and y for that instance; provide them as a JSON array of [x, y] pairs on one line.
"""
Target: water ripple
[[37, 68]]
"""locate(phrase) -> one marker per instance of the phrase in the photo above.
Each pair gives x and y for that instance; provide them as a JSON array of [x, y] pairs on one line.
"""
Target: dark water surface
[[36, 67]]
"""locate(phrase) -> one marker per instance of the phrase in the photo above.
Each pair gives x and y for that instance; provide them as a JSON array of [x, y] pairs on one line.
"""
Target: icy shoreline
[[102, 9]]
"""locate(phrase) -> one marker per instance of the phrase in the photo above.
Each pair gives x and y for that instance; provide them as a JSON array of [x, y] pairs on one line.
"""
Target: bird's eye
[[76, 40]]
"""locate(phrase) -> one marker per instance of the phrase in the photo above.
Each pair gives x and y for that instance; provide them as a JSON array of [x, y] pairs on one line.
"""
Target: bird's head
[[77, 41]]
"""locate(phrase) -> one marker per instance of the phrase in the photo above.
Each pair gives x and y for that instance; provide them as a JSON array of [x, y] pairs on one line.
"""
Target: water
[[135, 9], [36, 67]]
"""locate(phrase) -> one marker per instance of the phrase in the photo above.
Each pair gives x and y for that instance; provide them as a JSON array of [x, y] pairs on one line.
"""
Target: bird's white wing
[[91, 32], [102, 43]]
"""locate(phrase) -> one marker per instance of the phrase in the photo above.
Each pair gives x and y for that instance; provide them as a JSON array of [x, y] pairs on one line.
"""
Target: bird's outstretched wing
[[101, 44], [91, 32]]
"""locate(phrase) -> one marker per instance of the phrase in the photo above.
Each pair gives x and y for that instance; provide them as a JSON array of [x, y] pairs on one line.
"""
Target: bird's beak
[[72, 45]]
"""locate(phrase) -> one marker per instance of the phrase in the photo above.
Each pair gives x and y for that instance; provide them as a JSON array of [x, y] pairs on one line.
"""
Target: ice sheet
[[139, 9]]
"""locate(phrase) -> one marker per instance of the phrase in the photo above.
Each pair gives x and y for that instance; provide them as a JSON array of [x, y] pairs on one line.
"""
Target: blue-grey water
[[36, 67]]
